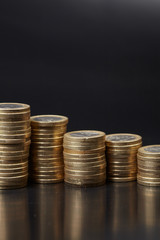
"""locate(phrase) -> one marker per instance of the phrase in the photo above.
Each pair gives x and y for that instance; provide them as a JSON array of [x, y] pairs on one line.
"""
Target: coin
[[48, 120], [122, 156], [14, 107], [84, 157], [84, 136], [149, 165], [122, 179], [121, 139], [47, 149], [15, 132]]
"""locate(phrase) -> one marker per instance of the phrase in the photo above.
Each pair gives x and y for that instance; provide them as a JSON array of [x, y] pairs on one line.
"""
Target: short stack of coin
[[122, 156], [15, 134], [46, 155], [148, 158], [84, 158]]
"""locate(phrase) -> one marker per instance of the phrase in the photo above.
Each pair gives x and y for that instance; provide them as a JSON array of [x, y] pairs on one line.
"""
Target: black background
[[95, 61]]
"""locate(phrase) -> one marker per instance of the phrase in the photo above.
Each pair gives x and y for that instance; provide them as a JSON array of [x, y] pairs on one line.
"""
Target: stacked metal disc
[[149, 165], [15, 134], [84, 158], [122, 156], [46, 155]]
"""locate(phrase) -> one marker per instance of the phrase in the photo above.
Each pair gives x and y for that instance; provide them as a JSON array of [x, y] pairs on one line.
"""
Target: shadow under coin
[[14, 218]]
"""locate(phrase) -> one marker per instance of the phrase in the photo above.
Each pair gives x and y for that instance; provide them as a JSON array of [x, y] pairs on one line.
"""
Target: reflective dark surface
[[112, 211]]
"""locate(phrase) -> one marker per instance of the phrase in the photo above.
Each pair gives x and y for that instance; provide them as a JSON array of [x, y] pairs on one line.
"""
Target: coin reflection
[[46, 218], [121, 207], [149, 206], [84, 213], [14, 218]]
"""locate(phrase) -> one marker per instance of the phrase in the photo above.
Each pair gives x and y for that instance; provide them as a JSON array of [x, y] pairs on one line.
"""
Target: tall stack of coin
[[46, 159], [84, 158], [122, 156], [149, 165], [15, 134]]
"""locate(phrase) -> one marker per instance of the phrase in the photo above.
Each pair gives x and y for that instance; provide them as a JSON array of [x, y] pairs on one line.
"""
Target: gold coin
[[120, 174], [10, 148], [154, 175], [122, 167], [82, 156], [46, 165], [84, 148], [14, 124], [51, 141], [12, 171], [46, 132], [14, 131], [44, 172], [121, 161], [47, 177], [15, 136], [50, 128], [121, 139], [84, 136], [94, 143], [122, 152], [14, 107], [13, 165], [47, 137], [149, 166], [48, 120], [82, 183], [149, 179], [13, 154], [46, 154], [93, 169], [82, 179], [120, 155], [83, 164], [58, 157], [5, 117], [151, 150], [122, 179], [46, 181], [125, 147], [13, 141], [66, 150], [148, 158], [13, 178], [84, 174], [46, 148]]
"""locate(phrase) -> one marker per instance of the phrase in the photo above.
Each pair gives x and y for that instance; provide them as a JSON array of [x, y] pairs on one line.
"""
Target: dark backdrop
[[96, 61]]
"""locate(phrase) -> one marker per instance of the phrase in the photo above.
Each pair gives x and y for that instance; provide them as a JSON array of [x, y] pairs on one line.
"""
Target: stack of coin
[[149, 165], [122, 156], [46, 155], [15, 134], [84, 158]]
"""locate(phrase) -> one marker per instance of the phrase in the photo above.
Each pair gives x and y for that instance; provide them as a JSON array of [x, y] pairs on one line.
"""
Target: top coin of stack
[[46, 160], [84, 158], [149, 165], [122, 156], [15, 134]]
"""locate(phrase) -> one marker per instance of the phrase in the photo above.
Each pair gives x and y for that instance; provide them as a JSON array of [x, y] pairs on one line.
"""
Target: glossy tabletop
[[59, 211]]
